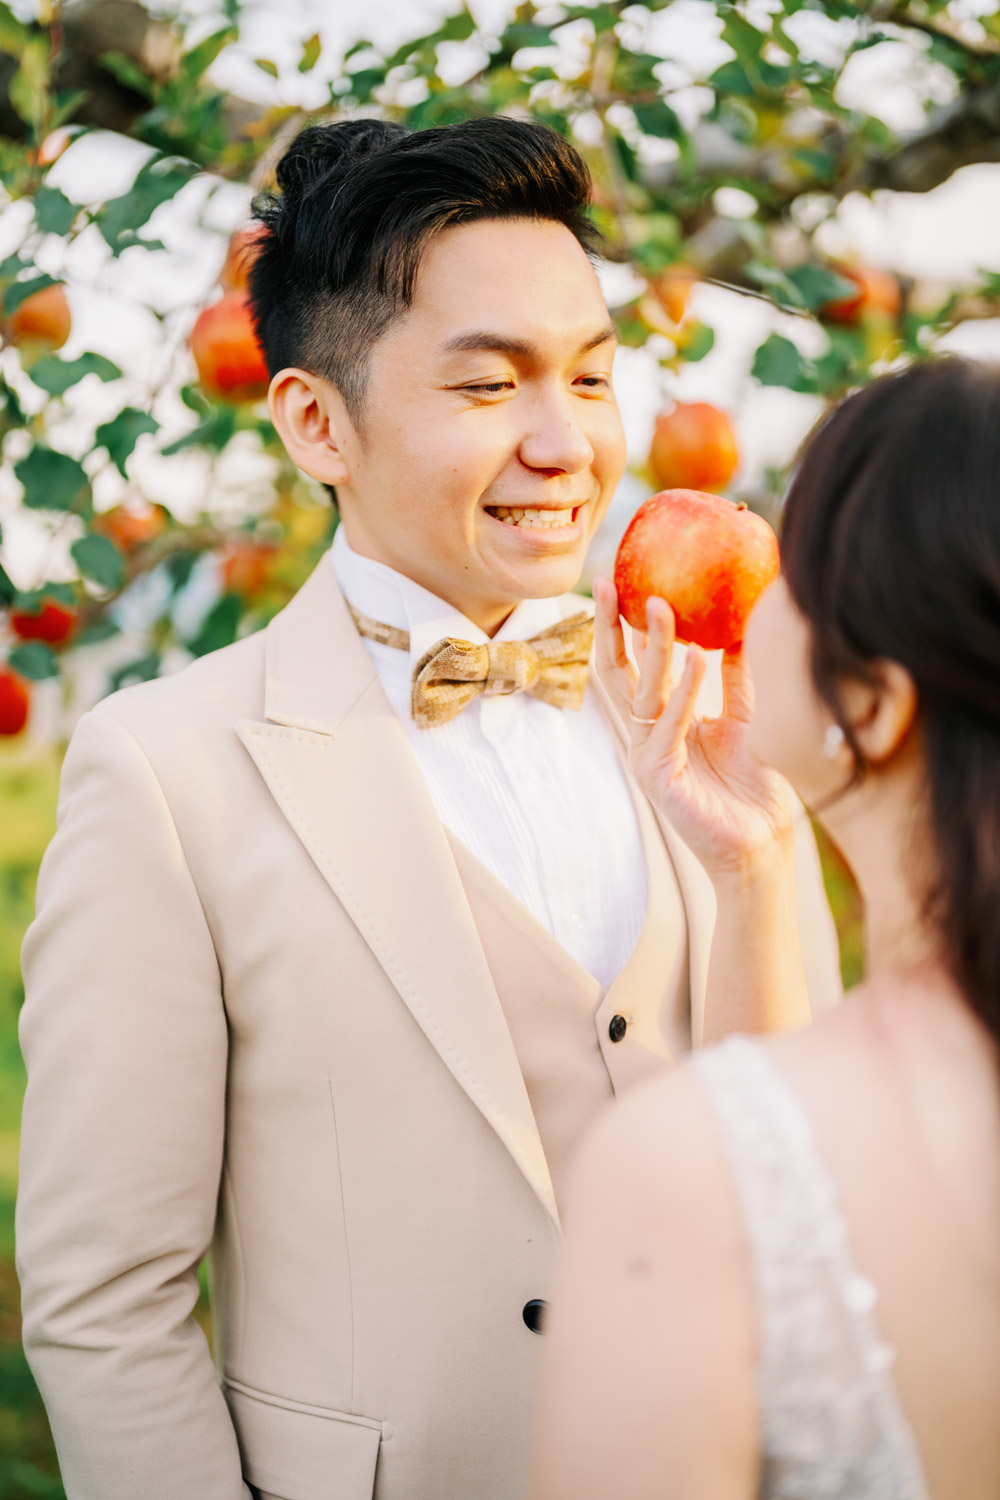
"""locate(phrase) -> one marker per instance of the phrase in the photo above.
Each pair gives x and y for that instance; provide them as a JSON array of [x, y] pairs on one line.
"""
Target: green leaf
[[779, 362], [821, 164], [219, 626], [659, 119], [11, 267], [142, 669], [311, 49], [214, 433], [98, 559], [267, 66], [776, 281], [457, 28], [34, 660], [28, 88], [179, 566], [121, 434], [11, 414], [129, 73], [8, 593], [33, 600], [201, 57], [731, 78], [818, 285], [54, 212], [364, 82], [66, 102], [13, 33], [57, 375], [52, 480], [700, 340], [744, 38], [195, 400], [17, 292], [156, 182], [97, 630]]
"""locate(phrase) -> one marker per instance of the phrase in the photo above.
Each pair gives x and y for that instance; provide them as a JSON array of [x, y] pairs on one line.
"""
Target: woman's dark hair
[[358, 202], [891, 550]]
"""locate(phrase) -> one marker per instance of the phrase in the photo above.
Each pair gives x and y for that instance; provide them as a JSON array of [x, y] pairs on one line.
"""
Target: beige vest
[[560, 1016]]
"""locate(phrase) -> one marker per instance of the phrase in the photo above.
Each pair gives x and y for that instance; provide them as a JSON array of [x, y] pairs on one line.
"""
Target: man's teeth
[[544, 518]]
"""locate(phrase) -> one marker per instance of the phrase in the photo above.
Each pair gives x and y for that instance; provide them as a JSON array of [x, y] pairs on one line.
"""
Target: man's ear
[[312, 422], [882, 712]]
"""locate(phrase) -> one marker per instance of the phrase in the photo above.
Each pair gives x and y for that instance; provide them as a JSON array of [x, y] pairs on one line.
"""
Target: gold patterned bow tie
[[551, 665]]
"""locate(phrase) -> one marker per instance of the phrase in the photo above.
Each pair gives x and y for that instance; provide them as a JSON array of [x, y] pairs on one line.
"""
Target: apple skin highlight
[[709, 558]]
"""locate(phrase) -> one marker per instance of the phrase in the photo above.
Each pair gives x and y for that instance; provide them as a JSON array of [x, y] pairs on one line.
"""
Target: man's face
[[491, 443]]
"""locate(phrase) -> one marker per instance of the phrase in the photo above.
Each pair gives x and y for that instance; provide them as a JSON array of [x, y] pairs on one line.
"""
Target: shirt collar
[[383, 594]]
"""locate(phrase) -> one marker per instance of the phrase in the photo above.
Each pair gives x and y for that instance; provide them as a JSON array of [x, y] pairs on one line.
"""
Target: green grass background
[[28, 790]]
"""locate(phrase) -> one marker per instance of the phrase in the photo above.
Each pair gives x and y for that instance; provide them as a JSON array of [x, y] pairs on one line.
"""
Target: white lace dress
[[832, 1424]]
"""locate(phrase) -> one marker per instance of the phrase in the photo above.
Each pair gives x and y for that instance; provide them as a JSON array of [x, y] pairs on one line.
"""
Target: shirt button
[[575, 919], [617, 1028], [533, 1313]]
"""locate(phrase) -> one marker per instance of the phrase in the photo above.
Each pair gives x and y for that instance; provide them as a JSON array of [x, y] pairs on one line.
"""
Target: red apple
[[14, 702], [710, 559], [224, 344], [51, 621], [694, 446], [876, 297], [42, 322], [240, 257]]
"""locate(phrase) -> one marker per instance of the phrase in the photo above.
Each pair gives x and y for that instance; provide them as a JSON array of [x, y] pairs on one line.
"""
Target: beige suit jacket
[[259, 1021]]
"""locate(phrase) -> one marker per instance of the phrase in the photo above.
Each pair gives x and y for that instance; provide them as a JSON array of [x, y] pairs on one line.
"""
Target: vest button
[[617, 1028], [533, 1313]]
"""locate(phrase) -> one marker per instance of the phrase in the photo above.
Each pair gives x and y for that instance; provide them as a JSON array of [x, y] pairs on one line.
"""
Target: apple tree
[[724, 171]]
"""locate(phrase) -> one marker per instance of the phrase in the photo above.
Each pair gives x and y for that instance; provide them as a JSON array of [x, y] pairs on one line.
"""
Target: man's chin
[[543, 578]]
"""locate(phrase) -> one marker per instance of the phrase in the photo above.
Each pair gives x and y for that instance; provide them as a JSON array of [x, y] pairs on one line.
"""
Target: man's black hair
[[356, 205]]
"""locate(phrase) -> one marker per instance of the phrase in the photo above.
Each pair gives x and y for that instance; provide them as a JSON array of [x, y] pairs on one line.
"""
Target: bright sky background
[[945, 236]]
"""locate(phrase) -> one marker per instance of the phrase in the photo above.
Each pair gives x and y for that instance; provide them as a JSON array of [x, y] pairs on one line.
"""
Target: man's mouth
[[548, 518]]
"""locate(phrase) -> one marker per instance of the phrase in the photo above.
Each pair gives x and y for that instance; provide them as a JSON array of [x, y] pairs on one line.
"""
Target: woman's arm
[[756, 978], [648, 1353], [735, 815]]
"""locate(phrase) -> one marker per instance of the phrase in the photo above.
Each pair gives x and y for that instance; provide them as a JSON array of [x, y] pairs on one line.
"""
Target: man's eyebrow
[[484, 340]]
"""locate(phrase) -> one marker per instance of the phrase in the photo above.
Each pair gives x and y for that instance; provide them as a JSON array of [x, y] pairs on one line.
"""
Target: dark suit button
[[533, 1313], [617, 1028]]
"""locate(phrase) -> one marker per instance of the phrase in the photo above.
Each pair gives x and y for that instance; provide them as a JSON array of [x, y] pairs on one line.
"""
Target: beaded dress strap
[[832, 1424]]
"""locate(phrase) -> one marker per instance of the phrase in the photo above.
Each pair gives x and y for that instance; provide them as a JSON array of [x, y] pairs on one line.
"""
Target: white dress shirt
[[537, 793]]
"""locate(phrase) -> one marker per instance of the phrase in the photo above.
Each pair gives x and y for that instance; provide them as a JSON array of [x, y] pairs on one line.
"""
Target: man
[[342, 940]]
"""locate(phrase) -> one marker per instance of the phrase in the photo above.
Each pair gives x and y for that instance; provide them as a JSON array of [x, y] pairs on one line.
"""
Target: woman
[[804, 1301]]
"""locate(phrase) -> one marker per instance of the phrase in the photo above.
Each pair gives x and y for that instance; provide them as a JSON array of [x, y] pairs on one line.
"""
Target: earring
[[832, 741]]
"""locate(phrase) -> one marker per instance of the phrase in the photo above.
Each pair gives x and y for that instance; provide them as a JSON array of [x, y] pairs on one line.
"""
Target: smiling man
[[350, 929]]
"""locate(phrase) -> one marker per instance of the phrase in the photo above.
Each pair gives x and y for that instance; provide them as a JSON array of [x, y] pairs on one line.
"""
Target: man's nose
[[555, 440]]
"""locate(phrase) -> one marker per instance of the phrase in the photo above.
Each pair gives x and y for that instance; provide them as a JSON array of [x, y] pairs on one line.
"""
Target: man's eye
[[493, 386], [597, 382]]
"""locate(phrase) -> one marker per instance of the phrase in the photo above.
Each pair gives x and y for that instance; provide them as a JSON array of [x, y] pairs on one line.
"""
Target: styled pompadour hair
[[357, 203]]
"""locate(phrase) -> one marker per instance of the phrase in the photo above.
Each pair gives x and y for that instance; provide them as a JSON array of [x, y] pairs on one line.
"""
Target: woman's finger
[[670, 730], [613, 666], [654, 684], [737, 685]]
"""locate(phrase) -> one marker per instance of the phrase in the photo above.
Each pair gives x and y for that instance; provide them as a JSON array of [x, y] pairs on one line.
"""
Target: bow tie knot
[[551, 665]]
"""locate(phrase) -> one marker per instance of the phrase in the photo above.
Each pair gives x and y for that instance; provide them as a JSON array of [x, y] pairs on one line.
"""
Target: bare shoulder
[[655, 1162], [653, 1311]]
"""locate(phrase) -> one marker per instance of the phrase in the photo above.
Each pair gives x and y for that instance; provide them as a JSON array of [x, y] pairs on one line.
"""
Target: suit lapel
[[335, 758]]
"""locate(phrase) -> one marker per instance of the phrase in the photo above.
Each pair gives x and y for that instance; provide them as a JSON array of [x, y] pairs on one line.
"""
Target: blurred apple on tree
[[14, 702], [224, 344], [694, 447]]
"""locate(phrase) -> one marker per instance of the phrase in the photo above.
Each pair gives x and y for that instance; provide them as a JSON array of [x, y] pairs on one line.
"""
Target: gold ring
[[647, 722]]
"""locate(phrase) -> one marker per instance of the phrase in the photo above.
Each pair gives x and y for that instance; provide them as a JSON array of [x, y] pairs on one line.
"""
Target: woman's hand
[[732, 813]]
